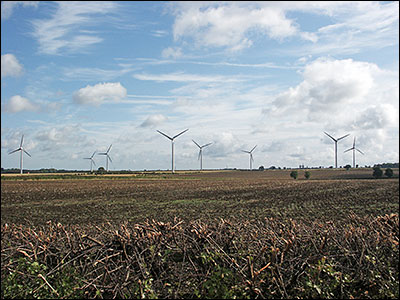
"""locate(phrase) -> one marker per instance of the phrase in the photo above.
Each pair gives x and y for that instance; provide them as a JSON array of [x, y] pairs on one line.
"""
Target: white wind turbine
[[172, 144], [21, 148], [201, 153], [336, 140], [251, 156], [107, 156], [354, 152], [91, 161]]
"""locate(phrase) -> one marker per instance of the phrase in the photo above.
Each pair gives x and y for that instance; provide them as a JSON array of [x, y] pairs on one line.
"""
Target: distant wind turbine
[[251, 156], [201, 153], [336, 140], [107, 156], [91, 161], [172, 144], [21, 148], [354, 152]]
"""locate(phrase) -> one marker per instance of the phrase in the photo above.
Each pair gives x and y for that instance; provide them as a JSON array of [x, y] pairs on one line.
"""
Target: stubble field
[[328, 194]]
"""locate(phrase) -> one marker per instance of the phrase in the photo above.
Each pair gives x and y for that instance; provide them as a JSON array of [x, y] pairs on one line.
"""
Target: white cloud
[[172, 52], [154, 120], [233, 25], [99, 93], [377, 117], [185, 77], [58, 33], [10, 65], [7, 7], [19, 104], [329, 86]]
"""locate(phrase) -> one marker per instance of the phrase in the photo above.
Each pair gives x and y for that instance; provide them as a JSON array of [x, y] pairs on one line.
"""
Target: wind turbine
[[354, 152], [107, 156], [91, 161], [336, 140], [172, 144], [251, 155], [22, 150], [201, 153]]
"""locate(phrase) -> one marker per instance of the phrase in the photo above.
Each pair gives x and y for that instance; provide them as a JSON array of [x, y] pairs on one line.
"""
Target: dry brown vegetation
[[202, 235]]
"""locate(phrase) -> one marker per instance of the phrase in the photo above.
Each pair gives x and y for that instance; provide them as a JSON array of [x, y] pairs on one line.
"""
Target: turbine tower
[[107, 156], [251, 156], [91, 161], [336, 140], [201, 153], [354, 152], [172, 144], [21, 148]]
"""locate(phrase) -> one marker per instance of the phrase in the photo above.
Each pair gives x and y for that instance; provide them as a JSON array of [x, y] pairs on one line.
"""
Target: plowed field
[[327, 195]]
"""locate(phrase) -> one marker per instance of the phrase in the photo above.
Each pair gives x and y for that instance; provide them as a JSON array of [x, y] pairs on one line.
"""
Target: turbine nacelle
[[21, 148], [336, 140], [172, 145]]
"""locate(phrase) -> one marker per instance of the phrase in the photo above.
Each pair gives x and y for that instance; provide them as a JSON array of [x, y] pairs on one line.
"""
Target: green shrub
[[377, 173], [293, 174], [389, 172], [307, 174]]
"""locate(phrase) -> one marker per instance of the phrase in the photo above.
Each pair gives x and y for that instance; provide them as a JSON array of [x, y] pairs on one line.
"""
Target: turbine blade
[[359, 151], [180, 133], [93, 154], [330, 136], [251, 157], [253, 148], [196, 144], [109, 157], [109, 148], [245, 151], [101, 153], [14, 151], [198, 158], [343, 136], [22, 140], [93, 161], [206, 145], [164, 135], [27, 152], [354, 142], [347, 150]]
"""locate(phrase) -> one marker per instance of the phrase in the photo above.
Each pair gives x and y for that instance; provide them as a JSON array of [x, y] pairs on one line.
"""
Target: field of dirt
[[327, 195]]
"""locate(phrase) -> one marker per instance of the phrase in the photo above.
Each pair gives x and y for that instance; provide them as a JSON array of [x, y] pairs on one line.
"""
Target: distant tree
[[377, 173], [307, 174], [347, 167], [272, 167], [101, 170], [293, 174], [261, 168], [389, 172]]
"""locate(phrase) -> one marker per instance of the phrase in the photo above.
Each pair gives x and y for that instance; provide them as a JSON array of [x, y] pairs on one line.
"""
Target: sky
[[77, 77]]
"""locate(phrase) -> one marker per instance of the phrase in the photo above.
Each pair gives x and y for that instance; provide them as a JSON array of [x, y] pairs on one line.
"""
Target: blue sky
[[79, 76]]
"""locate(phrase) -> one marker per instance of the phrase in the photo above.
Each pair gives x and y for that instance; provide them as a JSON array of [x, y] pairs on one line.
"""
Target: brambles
[[215, 259]]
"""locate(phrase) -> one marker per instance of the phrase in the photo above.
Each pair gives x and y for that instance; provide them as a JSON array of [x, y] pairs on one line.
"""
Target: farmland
[[213, 234], [328, 194]]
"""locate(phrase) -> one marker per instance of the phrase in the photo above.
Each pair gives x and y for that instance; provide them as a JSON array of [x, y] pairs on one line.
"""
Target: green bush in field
[[377, 173], [389, 172], [293, 174], [307, 174]]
